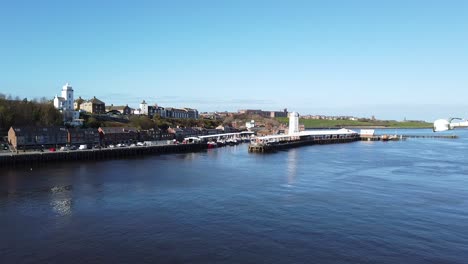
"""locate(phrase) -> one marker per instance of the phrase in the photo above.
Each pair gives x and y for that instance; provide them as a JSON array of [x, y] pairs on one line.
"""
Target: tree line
[[37, 112], [144, 122]]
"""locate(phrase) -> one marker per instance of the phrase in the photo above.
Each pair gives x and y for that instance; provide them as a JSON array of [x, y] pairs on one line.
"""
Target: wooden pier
[[13, 159]]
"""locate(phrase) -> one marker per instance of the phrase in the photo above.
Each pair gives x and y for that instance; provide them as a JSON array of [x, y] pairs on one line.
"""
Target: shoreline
[[33, 158]]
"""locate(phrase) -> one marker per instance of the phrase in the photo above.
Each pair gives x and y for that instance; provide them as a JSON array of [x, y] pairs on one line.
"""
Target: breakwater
[[20, 159], [271, 147], [265, 148]]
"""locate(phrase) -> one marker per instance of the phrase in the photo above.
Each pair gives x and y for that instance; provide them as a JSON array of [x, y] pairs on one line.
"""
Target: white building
[[65, 104]]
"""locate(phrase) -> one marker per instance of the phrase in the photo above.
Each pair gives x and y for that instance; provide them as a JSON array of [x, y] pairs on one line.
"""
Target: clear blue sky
[[392, 59]]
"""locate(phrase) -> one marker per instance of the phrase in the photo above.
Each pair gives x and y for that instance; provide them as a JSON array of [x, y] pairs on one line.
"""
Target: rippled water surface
[[362, 202]]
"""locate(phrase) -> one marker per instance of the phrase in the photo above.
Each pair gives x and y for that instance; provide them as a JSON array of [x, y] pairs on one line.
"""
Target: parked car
[[140, 144], [52, 149], [111, 146], [82, 147], [64, 148], [73, 147]]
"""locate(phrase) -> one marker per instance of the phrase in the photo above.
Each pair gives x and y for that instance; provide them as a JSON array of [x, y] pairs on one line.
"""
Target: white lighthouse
[[65, 104], [67, 94], [293, 123]]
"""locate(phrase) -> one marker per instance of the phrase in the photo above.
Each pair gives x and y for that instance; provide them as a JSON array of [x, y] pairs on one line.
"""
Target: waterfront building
[[78, 136], [155, 134], [114, 135], [34, 137]]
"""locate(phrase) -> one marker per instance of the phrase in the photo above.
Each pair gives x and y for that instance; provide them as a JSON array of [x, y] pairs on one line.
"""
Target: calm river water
[[362, 202]]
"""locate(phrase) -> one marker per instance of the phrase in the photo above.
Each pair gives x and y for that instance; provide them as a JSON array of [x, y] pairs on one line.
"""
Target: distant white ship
[[444, 124]]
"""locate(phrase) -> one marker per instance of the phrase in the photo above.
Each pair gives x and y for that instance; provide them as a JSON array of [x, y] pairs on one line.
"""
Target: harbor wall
[[26, 159]]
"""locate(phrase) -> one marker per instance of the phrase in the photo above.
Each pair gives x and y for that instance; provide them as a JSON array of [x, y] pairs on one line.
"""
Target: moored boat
[[212, 144]]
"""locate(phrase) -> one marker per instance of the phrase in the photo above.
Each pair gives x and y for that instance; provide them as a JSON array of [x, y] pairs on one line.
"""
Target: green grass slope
[[312, 123]]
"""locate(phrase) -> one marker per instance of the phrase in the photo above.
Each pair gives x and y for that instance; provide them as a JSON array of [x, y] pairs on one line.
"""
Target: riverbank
[[32, 158]]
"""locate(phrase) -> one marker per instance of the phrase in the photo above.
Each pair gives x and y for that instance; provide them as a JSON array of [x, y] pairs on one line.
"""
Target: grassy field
[[310, 123]]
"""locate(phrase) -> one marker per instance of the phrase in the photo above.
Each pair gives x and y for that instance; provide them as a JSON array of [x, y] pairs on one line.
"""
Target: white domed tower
[[67, 94]]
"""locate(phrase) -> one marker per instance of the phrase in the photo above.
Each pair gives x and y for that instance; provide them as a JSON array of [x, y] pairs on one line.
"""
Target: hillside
[[321, 123], [27, 113]]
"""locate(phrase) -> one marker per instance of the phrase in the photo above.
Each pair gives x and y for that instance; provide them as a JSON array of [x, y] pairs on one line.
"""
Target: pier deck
[[265, 148], [268, 147], [275, 142]]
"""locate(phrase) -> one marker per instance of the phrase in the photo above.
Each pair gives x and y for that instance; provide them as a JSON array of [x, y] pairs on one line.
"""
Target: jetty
[[296, 138], [273, 143]]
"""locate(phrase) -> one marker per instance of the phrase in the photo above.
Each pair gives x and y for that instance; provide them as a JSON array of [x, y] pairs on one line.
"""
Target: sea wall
[[20, 159]]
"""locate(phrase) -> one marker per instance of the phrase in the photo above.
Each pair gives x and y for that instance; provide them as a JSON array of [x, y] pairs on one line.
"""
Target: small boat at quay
[[211, 144]]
